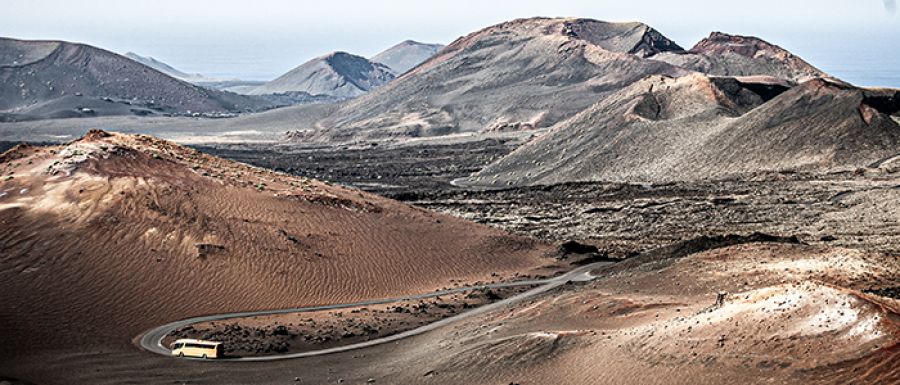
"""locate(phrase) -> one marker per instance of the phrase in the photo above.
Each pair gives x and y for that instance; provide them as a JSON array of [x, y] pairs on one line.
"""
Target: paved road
[[458, 183], [152, 339]]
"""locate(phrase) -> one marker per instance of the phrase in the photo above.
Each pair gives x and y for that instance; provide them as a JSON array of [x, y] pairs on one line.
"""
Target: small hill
[[55, 79], [122, 233], [697, 127], [406, 55], [169, 70], [337, 74], [722, 54]]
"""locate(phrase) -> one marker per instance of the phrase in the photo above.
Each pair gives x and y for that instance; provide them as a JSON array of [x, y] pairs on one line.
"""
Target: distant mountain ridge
[[526, 73], [534, 73], [406, 55], [169, 70], [56, 79], [337, 74]]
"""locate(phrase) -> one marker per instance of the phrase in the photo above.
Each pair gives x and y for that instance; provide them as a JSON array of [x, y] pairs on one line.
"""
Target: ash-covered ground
[[850, 209], [389, 171], [844, 209]]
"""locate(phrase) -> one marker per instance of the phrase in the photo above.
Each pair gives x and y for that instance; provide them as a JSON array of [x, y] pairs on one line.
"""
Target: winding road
[[152, 339]]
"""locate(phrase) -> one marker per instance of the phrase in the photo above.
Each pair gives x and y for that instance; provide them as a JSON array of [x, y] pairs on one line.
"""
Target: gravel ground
[[841, 209]]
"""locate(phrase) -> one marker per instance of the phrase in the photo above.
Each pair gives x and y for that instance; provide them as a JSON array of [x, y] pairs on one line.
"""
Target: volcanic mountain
[[55, 79], [665, 129], [110, 235], [732, 55], [534, 73], [406, 55], [169, 70], [337, 74], [527, 73]]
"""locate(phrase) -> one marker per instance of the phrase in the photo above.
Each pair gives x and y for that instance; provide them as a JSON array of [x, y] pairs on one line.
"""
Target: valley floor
[[815, 302], [850, 209]]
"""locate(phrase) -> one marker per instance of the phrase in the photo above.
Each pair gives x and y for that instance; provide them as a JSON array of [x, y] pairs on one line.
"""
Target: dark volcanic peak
[[527, 73], [733, 55], [634, 38], [362, 73], [337, 74], [695, 127], [41, 79], [406, 55]]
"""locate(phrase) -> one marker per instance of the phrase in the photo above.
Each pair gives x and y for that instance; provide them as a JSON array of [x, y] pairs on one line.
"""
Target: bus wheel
[[205, 357], [181, 354]]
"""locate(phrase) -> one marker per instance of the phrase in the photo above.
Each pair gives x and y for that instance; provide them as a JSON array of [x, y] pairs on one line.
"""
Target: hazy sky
[[261, 39]]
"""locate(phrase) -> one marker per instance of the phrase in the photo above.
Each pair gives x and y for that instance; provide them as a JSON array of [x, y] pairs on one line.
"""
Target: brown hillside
[[110, 235]]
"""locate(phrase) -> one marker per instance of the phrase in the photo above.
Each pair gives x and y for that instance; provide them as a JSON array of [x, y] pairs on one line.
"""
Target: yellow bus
[[196, 348]]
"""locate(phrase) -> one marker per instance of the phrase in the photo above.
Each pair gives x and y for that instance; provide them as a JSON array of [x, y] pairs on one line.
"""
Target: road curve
[[458, 183], [152, 339]]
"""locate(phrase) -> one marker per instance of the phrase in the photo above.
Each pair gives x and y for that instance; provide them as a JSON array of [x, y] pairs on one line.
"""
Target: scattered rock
[[574, 247], [206, 249]]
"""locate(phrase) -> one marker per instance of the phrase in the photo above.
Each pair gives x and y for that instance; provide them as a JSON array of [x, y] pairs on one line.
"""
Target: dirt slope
[[789, 314], [406, 55], [695, 127], [111, 235], [338, 74], [54, 79]]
